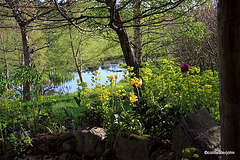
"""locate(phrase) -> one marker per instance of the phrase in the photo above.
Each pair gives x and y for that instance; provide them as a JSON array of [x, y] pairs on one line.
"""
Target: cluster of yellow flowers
[[136, 81], [111, 76], [54, 100], [104, 94], [133, 98], [83, 84]]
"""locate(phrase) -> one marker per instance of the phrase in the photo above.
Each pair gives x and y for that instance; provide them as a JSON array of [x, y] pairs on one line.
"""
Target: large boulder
[[200, 131], [90, 142], [129, 146]]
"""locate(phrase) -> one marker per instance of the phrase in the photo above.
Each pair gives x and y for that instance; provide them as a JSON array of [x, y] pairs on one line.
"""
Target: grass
[[57, 103]]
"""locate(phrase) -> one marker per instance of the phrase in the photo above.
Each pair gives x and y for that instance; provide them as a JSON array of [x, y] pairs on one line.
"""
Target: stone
[[67, 145], [90, 142], [129, 146], [200, 131]]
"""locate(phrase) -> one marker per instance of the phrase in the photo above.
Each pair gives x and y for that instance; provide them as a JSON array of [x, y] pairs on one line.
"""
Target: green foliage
[[195, 42], [151, 104], [70, 117], [26, 73], [2, 82], [19, 140], [37, 115], [171, 95], [93, 51], [37, 40], [10, 40], [78, 99], [189, 154]]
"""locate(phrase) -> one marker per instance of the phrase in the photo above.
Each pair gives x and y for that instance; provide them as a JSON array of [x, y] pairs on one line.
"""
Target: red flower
[[184, 67]]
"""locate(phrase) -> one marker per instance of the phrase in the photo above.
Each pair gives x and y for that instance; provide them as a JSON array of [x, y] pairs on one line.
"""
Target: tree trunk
[[117, 25], [79, 68], [229, 64], [23, 23], [76, 53], [27, 62], [137, 32], [127, 50]]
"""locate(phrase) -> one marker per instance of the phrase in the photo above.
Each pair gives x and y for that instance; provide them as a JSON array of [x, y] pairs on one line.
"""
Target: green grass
[[66, 101]]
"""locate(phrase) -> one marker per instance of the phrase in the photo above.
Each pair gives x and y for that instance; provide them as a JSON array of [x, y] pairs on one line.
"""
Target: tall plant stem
[[189, 95]]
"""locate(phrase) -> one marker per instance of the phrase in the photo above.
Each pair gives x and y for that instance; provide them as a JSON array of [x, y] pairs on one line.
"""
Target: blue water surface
[[71, 86]]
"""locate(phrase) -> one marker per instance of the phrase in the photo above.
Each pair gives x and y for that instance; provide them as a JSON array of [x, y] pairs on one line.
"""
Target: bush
[[170, 95]]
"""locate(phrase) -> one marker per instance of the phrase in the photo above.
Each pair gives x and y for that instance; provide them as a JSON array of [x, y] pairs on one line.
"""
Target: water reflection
[[71, 86]]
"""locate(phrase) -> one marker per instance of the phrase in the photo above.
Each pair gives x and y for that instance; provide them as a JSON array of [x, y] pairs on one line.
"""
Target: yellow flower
[[133, 81], [52, 84], [61, 84], [19, 84], [78, 80], [54, 100], [115, 75], [133, 98], [139, 83], [110, 76]]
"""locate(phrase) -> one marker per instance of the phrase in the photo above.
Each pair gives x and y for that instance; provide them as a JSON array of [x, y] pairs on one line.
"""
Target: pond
[[105, 70]]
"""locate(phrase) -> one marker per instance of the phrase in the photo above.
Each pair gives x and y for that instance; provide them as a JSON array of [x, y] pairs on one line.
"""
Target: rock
[[46, 144], [129, 146], [200, 131], [90, 142], [66, 144]]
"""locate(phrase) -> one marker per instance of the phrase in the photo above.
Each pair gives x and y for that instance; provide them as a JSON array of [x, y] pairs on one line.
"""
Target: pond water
[[71, 86]]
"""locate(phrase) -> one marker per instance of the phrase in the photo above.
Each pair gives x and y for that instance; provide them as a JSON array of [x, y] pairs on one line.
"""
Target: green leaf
[[78, 101], [195, 156], [193, 150]]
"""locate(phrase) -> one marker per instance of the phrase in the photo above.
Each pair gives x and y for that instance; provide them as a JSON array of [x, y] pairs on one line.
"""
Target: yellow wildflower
[[133, 81], [110, 77], [133, 98], [115, 75], [139, 83]]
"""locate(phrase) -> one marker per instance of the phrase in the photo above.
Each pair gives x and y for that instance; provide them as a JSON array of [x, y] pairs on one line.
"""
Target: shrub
[[170, 95]]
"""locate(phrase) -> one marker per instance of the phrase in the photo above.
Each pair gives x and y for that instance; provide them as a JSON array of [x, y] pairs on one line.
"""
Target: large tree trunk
[[137, 32], [229, 63], [23, 23], [117, 25], [27, 62], [127, 50]]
